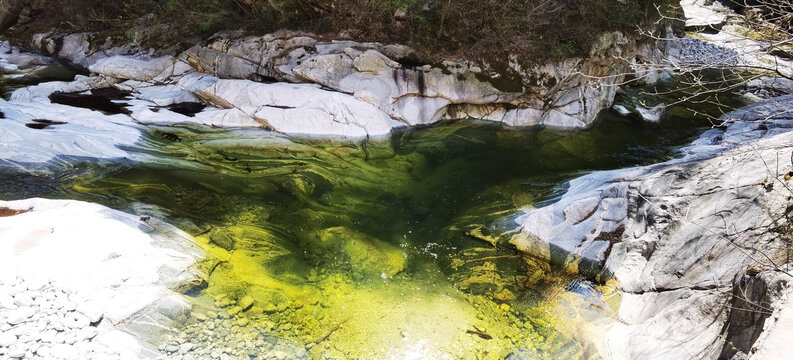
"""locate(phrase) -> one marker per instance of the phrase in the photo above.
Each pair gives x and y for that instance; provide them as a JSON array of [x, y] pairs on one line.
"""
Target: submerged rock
[[365, 254]]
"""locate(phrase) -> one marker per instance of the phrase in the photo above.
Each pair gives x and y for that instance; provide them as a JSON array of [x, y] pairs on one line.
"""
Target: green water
[[377, 250]]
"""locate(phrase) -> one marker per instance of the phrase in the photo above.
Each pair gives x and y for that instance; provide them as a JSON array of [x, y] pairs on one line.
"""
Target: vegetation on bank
[[530, 29]]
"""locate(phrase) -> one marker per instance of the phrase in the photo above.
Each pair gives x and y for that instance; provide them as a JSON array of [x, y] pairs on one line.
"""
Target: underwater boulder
[[365, 254]]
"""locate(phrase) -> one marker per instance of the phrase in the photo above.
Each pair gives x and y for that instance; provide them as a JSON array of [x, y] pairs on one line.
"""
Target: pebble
[[7, 339], [23, 300], [91, 311], [39, 321], [19, 315], [17, 352], [7, 302], [246, 302], [64, 351], [698, 52]]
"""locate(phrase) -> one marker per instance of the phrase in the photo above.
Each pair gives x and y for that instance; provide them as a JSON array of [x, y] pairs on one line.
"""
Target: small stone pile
[[696, 52], [225, 332], [40, 321]]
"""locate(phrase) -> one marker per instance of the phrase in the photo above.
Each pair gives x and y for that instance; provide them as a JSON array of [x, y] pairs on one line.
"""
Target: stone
[[19, 315], [17, 351], [303, 109], [78, 321], [652, 114], [7, 302], [426, 94], [704, 15], [64, 351], [366, 255], [91, 310], [87, 333], [23, 299], [622, 110], [129, 68], [246, 302], [185, 348], [7, 339]]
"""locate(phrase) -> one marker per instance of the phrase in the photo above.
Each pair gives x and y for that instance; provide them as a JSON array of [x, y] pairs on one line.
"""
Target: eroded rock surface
[[675, 235], [389, 79]]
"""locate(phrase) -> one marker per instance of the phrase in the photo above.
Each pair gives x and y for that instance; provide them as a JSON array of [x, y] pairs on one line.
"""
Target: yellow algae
[[364, 254]]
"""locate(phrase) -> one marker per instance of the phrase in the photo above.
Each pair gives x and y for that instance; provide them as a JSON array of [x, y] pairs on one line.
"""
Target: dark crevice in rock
[[281, 107], [40, 124], [613, 236], [750, 307], [692, 287]]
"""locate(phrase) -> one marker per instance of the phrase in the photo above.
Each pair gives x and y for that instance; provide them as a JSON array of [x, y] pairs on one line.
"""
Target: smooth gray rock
[[679, 233], [704, 14]]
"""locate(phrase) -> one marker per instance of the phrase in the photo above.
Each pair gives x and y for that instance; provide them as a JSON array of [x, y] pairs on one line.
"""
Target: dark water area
[[33, 76]]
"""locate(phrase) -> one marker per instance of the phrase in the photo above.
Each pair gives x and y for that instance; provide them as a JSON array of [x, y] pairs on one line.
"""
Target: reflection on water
[[377, 250]]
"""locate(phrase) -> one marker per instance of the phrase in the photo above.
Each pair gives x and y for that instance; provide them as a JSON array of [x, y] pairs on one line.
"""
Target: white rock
[[23, 299], [91, 310], [85, 133], [44, 351], [64, 351], [304, 109], [125, 67], [652, 114], [7, 301], [125, 274], [76, 320], [19, 315], [7, 339], [703, 14], [621, 110], [17, 352], [661, 257], [6, 67], [87, 333]]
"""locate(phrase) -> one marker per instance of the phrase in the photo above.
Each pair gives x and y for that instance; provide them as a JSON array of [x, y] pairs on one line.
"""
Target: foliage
[[530, 29]]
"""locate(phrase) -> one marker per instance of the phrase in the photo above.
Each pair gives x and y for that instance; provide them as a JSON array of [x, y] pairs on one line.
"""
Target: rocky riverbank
[[107, 288], [694, 244], [347, 81], [679, 237]]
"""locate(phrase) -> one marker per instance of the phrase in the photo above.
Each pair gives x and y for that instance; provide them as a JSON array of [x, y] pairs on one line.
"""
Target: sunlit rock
[[666, 233], [124, 280], [303, 109]]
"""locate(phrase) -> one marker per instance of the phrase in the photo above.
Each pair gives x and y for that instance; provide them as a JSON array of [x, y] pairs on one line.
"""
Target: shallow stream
[[389, 249]]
